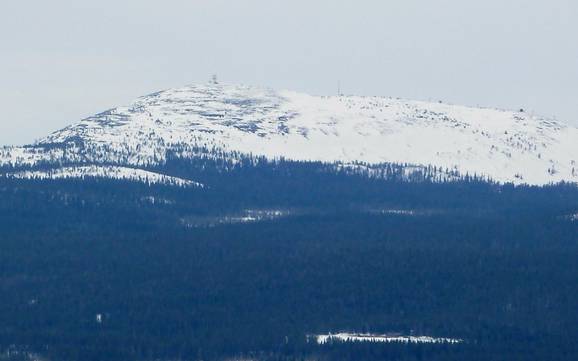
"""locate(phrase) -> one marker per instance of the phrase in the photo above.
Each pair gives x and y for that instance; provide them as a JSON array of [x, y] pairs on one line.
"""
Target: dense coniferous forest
[[99, 269]]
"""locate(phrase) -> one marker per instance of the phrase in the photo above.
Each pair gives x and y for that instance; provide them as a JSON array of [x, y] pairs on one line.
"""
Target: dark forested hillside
[[269, 253]]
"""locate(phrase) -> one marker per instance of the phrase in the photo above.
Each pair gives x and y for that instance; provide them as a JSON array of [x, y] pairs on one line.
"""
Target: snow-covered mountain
[[219, 120]]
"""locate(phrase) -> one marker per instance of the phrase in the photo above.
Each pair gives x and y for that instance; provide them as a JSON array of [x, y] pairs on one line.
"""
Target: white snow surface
[[245, 216], [114, 172], [364, 337], [506, 146]]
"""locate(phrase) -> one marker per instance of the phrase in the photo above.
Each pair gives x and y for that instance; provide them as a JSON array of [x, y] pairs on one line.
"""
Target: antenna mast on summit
[[214, 79], [339, 88]]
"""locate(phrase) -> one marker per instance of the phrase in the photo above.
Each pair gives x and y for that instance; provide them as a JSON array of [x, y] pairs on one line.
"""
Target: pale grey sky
[[62, 60]]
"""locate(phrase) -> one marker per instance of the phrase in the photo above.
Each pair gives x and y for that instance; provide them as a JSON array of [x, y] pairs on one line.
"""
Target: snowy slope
[[94, 171], [506, 146]]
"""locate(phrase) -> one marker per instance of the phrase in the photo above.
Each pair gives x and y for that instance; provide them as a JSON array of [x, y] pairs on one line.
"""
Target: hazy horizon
[[64, 61]]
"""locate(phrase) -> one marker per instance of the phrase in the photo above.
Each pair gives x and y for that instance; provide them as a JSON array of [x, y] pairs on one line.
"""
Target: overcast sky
[[62, 60]]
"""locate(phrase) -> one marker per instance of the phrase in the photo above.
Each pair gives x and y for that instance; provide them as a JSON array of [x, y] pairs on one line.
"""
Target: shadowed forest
[[113, 270]]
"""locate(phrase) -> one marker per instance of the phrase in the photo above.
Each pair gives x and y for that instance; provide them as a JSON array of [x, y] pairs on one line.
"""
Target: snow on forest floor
[[367, 337]]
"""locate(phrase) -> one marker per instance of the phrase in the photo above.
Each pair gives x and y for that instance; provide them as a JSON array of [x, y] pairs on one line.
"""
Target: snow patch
[[20, 353], [245, 216], [366, 337], [398, 212]]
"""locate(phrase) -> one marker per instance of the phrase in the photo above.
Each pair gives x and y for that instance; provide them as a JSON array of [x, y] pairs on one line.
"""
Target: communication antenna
[[339, 88], [214, 79]]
